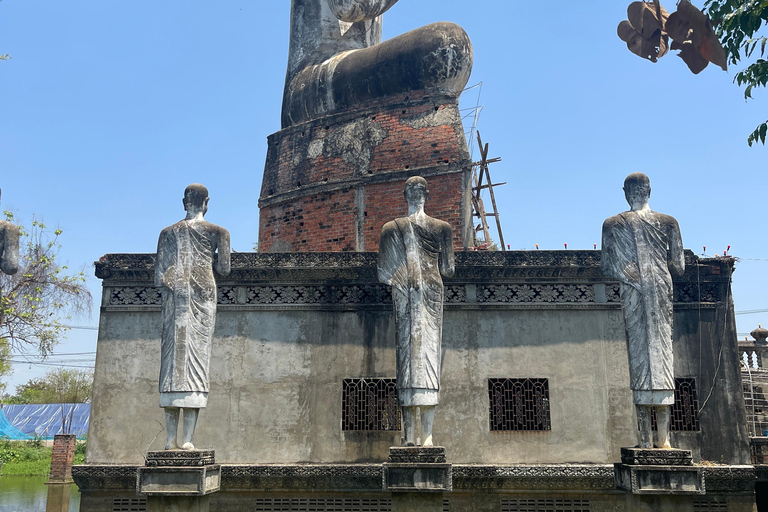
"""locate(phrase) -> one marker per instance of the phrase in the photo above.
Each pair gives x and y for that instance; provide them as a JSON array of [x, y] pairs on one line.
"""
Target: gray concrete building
[[535, 400]]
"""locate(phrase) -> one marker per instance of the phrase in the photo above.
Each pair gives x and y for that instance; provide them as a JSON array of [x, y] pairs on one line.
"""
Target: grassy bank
[[31, 458]]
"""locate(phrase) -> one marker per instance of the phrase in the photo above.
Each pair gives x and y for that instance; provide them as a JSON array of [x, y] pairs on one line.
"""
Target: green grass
[[29, 458]]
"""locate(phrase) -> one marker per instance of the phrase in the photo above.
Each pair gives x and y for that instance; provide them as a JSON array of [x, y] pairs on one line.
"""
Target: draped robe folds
[[635, 251], [185, 269], [409, 262]]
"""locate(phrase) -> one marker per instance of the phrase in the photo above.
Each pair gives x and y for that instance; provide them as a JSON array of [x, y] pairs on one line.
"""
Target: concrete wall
[[276, 385], [291, 327]]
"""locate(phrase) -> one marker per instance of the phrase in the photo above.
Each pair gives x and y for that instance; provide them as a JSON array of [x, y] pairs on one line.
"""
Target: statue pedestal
[[417, 477], [417, 469], [178, 480], [658, 471]]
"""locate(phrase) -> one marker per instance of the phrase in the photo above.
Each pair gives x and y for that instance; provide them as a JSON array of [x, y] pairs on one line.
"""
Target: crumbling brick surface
[[330, 184], [62, 458]]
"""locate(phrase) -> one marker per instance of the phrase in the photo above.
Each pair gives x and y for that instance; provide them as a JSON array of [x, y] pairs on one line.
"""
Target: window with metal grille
[[129, 504], [446, 505], [519, 404], [545, 505], [705, 505], [369, 404], [321, 505], [685, 410]]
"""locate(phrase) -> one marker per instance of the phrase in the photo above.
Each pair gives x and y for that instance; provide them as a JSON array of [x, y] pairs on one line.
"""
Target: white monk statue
[[186, 259], [9, 247], [414, 252], [639, 248]]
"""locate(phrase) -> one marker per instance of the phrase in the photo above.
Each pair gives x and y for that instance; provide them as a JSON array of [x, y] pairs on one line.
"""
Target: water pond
[[30, 494]]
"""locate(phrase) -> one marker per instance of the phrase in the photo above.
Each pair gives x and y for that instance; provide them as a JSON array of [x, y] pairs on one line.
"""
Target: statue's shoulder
[[213, 228], [171, 229], [391, 225], [666, 220], [614, 221]]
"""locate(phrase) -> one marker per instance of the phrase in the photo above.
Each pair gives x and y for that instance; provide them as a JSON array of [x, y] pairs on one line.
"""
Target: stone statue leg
[[171, 427], [427, 419], [644, 421], [663, 413], [190, 421], [409, 425]]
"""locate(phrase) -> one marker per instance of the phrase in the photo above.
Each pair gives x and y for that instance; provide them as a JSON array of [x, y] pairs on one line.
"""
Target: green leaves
[[758, 134], [737, 23], [36, 300]]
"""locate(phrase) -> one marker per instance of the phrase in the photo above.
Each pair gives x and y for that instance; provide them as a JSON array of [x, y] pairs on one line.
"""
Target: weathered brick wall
[[330, 184], [63, 457]]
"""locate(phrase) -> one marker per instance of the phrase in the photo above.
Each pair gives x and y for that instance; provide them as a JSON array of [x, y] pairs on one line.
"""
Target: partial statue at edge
[[414, 252], [186, 259], [9, 247], [639, 248], [337, 60]]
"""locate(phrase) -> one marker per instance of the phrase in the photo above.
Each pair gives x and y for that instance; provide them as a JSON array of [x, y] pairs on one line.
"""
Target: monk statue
[[337, 60], [639, 248], [186, 259], [414, 252], [9, 247]]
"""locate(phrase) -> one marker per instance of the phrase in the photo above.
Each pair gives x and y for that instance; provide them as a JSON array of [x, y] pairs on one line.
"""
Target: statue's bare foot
[[171, 445], [410, 444], [427, 442], [188, 446]]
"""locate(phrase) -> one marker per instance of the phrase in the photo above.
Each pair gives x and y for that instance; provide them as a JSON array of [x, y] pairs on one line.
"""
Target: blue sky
[[109, 109]]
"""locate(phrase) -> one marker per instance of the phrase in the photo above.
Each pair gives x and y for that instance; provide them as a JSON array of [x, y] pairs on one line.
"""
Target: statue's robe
[[637, 248], [412, 258], [184, 270]]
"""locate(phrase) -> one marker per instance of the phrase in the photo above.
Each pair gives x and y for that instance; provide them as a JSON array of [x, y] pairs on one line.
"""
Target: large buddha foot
[[436, 58]]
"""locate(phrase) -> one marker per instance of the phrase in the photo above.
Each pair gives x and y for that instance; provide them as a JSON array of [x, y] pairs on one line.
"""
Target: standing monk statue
[[9, 247], [414, 252], [186, 259], [639, 248]]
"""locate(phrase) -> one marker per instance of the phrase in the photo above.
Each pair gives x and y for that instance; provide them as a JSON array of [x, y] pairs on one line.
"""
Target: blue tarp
[[45, 420], [8, 431]]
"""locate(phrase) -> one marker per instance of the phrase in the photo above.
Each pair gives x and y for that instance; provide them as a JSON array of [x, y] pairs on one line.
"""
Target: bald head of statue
[[195, 199], [637, 190]]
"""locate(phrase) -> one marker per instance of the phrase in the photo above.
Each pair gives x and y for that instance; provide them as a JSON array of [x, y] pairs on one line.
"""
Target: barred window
[[370, 404], [709, 505], [129, 504], [685, 410], [519, 404], [320, 505]]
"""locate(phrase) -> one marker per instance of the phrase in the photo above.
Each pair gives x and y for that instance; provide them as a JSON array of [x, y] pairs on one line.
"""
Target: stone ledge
[[367, 477], [417, 454], [180, 458], [656, 457]]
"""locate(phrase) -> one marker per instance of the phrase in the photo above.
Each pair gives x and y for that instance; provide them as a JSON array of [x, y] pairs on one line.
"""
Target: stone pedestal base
[[658, 471], [179, 473], [416, 469]]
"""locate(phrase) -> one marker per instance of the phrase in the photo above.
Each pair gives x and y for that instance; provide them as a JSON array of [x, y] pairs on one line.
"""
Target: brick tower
[[356, 125]]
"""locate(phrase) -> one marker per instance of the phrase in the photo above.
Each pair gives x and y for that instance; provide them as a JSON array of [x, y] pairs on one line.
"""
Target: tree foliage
[[41, 294], [6, 367], [60, 386], [738, 23]]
